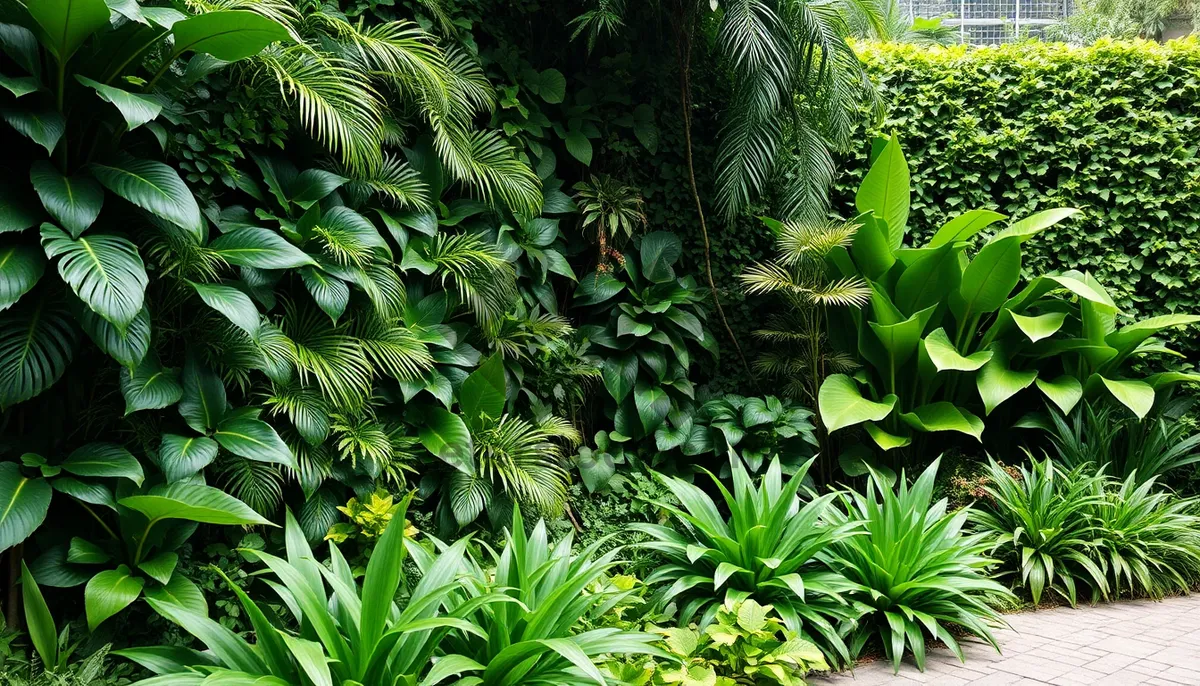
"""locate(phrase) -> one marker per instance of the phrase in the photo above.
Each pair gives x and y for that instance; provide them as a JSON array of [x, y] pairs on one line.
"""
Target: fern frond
[[393, 348], [488, 165]]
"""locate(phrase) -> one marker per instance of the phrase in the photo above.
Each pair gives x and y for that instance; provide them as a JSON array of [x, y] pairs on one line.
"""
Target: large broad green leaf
[[445, 435], [38, 620], [104, 460], [74, 201], [596, 288], [17, 212], [659, 252], [1065, 392], [901, 339], [149, 386], [234, 304], [964, 226], [37, 340], [181, 592], [331, 293], [885, 191], [203, 403], [21, 266], [136, 109], [108, 593], [89, 492], [67, 23], [1165, 379], [23, 504], [106, 272], [312, 185], [944, 416], [945, 356], [253, 439], [193, 503], [1138, 396], [1030, 226], [86, 553], [128, 348], [156, 188], [929, 280], [481, 396], [1041, 326], [653, 404], [870, 249], [1127, 338], [997, 382], [228, 35], [1076, 283], [44, 127], [620, 374], [256, 247], [885, 440], [988, 279], [841, 404], [20, 85], [182, 456], [160, 567]]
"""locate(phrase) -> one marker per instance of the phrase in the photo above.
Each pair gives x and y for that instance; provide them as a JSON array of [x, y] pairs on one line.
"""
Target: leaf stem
[[97, 518]]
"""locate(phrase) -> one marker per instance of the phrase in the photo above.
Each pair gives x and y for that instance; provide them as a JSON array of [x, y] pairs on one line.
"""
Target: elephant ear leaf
[[37, 341], [154, 187], [66, 24], [106, 272], [24, 502], [841, 404]]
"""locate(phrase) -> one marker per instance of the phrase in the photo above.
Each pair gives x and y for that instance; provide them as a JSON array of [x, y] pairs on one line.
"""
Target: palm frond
[[488, 165], [327, 353], [258, 484], [485, 282], [394, 180], [393, 348], [524, 460]]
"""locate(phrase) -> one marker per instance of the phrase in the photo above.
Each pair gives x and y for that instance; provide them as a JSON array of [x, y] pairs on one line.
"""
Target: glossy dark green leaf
[[182, 456], [21, 267], [24, 502], [253, 439], [262, 248], [234, 304], [67, 23], [104, 460], [37, 341], [154, 187], [108, 593], [74, 201], [203, 403], [229, 35], [149, 386], [44, 127]]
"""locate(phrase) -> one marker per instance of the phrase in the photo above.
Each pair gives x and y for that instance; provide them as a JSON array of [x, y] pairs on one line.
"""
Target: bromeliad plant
[[948, 337], [915, 569], [648, 339], [525, 608], [767, 550], [1040, 527], [346, 633]]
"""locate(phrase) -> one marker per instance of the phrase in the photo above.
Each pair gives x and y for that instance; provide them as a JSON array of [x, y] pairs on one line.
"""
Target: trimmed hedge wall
[[1112, 129]]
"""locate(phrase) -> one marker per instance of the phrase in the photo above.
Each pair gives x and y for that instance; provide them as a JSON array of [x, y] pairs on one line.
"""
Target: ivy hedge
[[1112, 129]]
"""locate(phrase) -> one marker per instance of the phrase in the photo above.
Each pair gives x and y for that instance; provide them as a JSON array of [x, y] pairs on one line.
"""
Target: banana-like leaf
[[1024, 229], [134, 108], [885, 440], [446, 436], [44, 127], [253, 439], [885, 191], [203, 403], [330, 293], [228, 35], [128, 348], [1041, 326], [182, 456], [1129, 337], [261, 248], [193, 503], [106, 272], [988, 280], [104, 460], [482, 393], [841, 404], [66, 24], [964, 226]]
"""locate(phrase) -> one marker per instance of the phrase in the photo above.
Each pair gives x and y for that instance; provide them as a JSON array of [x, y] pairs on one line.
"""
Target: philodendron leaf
[[181, 592], [234, 304], [203, 403], [659, 252], [482, 393], [841, 404], [24, 502], [160, 567], [256, 247], [108, 593], [1138, 396], [149, 386], [44, 127], [106, 272], [945, 356], [37, 341], [104, 460], [1041, 326], [182, 456], [885, 191], [67, 23], [128, 347], [193, 503], [1065, 392], [988, 279], [21, 266], [74, 201], [253, 439], [445, 435], [997, 382], [620, 374], [653, 404], [944, 416], [135, 108], [154, 187]]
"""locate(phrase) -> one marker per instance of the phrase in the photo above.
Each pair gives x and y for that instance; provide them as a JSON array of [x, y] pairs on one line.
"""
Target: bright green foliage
[[766, 550], [754, 429], [655, 318], [525, 607], [1148, 541], [746, 643], [985, 129], [368, 519], [1124, 445], [948, 336], [1041, 531], [347, 632], [916, 568]]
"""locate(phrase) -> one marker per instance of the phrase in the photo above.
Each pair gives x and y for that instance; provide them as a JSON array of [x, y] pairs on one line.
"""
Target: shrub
[[1039, 527], [917, 572], [1147, 541], [766, 550]]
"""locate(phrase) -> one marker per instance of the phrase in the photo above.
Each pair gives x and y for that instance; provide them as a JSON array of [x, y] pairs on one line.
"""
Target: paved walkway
[[1125, 644]]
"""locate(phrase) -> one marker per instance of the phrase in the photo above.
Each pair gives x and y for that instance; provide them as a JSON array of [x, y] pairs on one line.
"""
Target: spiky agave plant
[[1148, 541], [532, 636], [917, 569], [1041, 530], [766, 549], [346, 633]]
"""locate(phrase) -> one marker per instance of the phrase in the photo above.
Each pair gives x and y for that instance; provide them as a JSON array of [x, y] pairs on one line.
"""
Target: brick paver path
[[1125, 644]]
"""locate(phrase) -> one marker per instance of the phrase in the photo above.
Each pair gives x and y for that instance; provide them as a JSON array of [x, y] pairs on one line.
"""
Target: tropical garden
[[419, 342]]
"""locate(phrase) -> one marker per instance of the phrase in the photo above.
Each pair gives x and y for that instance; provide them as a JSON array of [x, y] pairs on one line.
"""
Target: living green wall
[[1112, 129]]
